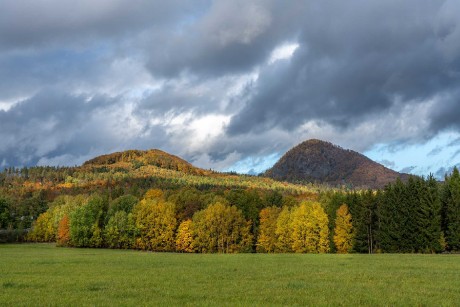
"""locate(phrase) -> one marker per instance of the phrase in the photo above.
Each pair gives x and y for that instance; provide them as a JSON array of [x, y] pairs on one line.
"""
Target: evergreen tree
[[390, 219], [428, 216], [363, 209], [451, 211]]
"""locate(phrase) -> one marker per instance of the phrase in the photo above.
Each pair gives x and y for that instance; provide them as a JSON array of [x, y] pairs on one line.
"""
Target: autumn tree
[[63, 236], [310, 231], [42, 228], [221, 229], [155, 222], [343, 231], [283, 231], [184, 237], [266, 242]]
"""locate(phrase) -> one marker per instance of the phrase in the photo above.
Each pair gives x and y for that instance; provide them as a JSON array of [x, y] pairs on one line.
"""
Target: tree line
[[417, 216]]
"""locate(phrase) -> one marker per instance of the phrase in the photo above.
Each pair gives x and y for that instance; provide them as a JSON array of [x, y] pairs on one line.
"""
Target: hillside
[[317, 161], [138, 158]]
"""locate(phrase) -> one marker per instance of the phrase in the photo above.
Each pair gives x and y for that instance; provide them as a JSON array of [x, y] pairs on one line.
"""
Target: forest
[[166, 210]]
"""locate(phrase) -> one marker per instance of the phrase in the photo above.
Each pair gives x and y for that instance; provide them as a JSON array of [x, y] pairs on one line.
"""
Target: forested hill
[[317, 161], [138, 158]]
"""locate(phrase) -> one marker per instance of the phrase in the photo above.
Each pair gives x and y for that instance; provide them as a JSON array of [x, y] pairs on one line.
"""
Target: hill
[[138, 158], [317, 161]]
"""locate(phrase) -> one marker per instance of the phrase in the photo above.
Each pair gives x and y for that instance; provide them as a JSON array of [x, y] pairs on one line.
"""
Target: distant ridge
[[318, 161], [138, 158]]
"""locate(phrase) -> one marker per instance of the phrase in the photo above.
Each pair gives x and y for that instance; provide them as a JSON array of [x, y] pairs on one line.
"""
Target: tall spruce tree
[[429, 217], [451, 211], [391, 218], [362, 208]]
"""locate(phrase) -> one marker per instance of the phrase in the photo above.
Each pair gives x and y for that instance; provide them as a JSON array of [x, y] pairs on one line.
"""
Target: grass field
[[41, 274]]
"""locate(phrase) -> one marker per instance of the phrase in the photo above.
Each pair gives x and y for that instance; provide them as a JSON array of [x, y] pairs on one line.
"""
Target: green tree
[[451, 211], [391, 218], [5, 214], [120, 230], [86, 223], [123, 203], [429, 234]]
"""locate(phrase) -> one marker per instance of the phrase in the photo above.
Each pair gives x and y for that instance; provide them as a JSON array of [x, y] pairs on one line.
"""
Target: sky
[[231, 84]]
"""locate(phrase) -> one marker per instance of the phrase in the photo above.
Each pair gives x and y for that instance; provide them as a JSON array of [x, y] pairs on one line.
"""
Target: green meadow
[[42, 274]]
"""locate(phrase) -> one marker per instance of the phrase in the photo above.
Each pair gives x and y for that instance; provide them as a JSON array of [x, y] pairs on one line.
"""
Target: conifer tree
[[429, 234], [389, 218], [451, 211]]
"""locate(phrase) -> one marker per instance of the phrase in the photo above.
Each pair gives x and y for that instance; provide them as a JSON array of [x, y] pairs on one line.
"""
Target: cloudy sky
[[232, 84]]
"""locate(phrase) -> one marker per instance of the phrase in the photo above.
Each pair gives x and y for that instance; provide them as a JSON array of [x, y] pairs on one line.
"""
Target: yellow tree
[[310, 231], [184, 237], [156, 223], [283, 231], [343, 231], [222, 229], [42, 229], [266, 243]]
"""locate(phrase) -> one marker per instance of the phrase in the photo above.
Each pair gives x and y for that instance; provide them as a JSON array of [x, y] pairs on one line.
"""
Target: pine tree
[[390, 218], [363, 208], [429, 217], [451, 211]]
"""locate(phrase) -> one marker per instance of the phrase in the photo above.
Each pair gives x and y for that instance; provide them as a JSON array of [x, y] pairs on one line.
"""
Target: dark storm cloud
[[230, 37], [46, 124], [355, 60], [24, 74], [40, 23]]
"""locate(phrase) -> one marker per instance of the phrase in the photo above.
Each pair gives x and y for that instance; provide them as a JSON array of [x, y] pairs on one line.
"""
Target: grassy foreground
[[41, 274]]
